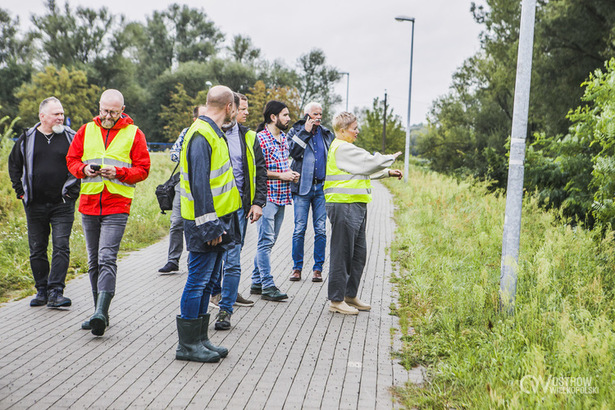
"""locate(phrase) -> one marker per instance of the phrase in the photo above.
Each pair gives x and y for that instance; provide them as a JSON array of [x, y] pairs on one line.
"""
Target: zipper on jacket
[[101, 192]]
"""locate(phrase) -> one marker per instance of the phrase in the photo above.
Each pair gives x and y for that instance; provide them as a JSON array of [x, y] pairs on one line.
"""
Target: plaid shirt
[[276, 158]]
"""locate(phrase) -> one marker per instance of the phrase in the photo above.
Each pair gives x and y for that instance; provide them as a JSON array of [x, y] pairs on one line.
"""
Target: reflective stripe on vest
[[222, 183], [117, 154], [342, 187], [250, 140]]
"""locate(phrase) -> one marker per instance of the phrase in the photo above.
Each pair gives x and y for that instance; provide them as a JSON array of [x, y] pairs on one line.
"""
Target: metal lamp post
[[407, 148], [347, 74]]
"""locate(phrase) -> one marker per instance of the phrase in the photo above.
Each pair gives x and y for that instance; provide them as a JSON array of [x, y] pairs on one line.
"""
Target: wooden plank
[[293, 354]]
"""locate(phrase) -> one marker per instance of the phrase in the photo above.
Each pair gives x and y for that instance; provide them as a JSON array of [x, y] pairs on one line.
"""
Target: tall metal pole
[[407, 148], [347, 74], [384, 123], [514, 193]]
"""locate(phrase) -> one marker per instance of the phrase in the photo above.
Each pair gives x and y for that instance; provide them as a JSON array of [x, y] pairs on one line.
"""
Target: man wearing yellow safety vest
[[250, 174], [209, 203], [348, 190], [110, 156]]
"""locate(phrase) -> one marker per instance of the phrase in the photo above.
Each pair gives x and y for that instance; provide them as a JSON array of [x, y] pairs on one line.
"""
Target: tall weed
[[447, 249]]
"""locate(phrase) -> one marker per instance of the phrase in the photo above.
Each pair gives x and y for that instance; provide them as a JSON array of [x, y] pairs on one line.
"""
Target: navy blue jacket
[[198, 156], [301, 146]]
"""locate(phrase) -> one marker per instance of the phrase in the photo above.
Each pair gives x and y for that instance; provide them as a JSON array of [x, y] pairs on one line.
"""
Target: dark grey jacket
[[21, 164]]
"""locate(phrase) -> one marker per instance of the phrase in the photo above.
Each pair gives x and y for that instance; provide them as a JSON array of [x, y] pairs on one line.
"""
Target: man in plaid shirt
[[273, 143]]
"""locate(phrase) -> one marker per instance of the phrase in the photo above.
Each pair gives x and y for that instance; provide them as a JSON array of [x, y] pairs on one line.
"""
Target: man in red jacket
[[110, 156]]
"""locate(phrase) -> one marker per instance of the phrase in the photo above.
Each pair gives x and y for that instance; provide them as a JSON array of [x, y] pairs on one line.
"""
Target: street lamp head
[[404, 18]]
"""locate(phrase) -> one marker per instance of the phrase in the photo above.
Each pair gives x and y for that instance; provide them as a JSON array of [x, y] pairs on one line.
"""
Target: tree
[[370, 127], [259, 95], [79, 99], [315, 82], [178, 114], [242, 50], [469, 128], [73, 37], [15, 63], [276, 74], [177, 35]]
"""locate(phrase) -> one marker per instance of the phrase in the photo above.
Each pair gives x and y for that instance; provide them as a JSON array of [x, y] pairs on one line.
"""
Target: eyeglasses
[[104, 113]]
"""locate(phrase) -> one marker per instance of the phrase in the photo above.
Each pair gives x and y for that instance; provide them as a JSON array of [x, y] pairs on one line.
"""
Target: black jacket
[[21, 164]]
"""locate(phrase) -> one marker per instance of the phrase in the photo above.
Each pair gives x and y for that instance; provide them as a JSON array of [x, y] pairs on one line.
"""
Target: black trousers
[[43, 220], [348, 248]]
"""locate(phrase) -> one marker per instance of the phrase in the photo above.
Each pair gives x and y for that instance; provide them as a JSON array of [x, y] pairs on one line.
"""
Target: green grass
[[146, 225], [447, 250]]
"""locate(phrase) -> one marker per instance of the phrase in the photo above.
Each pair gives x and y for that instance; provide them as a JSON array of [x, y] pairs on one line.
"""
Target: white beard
[[58, 128]]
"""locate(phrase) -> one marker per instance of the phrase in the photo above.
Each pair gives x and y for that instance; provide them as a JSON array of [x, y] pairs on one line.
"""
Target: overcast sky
[[360, 37]]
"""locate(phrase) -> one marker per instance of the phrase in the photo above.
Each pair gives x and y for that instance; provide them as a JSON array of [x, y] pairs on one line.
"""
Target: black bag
[[165, 193]]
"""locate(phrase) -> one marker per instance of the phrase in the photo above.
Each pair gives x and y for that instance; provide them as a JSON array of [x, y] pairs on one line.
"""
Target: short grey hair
[[308, 107], [46, 101], [343, 120]]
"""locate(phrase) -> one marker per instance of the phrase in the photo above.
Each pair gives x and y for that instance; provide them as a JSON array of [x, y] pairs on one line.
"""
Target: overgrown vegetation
[[447, 249], [146, 225]]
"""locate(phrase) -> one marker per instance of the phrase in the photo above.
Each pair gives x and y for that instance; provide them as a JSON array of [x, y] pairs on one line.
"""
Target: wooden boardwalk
[[293, 354]]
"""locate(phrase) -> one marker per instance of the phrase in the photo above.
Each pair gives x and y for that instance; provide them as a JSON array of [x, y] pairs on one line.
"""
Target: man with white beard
[[40, 178]]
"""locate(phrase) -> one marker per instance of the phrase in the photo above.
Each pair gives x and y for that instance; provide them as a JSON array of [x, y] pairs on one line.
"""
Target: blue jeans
[[268, 229], [232, 269], [57, 220], [103, 235], [203, 269], [316, 199]]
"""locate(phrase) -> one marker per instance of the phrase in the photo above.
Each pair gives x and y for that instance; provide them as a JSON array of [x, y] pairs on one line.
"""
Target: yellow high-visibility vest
[[342, 187], [116, 154], [250, 140], [222, 182]]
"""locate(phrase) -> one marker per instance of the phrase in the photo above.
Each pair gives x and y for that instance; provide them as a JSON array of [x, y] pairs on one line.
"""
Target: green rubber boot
[[100, 320], [222, 351], [190, 346], [86, 324]]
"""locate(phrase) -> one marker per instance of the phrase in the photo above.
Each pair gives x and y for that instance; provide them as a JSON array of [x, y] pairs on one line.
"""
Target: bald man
[[110, 156], [209, 203]]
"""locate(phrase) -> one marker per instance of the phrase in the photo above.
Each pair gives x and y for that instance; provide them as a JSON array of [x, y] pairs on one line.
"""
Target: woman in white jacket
[[347, 192]]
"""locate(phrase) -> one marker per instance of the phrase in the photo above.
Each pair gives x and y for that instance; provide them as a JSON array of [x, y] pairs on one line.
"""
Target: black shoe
[[256, 289], [40, 299], [57, 299], [169, 267], [272, 293], [223, 320]]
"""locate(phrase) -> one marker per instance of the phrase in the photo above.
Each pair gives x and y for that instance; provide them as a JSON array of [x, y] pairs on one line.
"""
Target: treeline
[[162, 66], [570, 162]]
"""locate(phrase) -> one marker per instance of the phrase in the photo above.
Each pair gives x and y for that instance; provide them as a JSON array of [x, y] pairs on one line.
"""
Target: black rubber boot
[[86, 325], [222, 351], [190, 346], [100, 320]]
